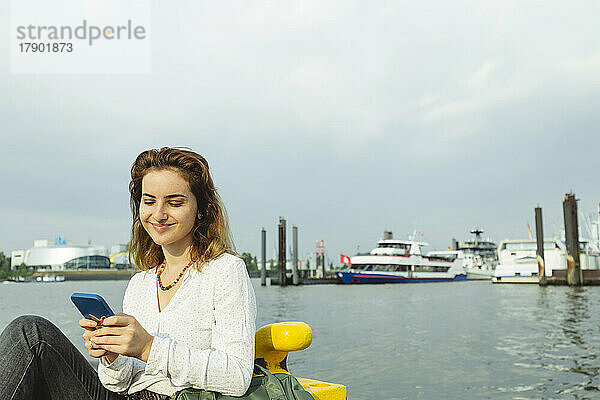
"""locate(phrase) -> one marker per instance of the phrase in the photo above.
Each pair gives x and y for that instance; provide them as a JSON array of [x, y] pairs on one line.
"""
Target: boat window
[[430, 268], [521, 246], [402, 246], [401, 268], [383, 267], [369, 268], [549, 245], [442, 257]]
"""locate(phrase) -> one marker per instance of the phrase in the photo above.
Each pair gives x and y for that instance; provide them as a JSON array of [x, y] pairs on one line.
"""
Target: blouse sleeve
[[227, 366], [117, 376]]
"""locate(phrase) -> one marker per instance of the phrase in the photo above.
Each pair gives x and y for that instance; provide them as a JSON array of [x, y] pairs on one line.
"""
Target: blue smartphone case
[[91, 304]]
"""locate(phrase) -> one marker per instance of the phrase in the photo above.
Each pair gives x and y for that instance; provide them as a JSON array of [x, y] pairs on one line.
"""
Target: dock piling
[[295, 277], [263, 269], [282, 255], [539, 234], [574, 275]]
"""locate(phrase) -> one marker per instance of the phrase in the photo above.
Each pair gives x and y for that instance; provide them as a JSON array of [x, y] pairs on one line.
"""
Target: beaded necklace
[[162, 267]]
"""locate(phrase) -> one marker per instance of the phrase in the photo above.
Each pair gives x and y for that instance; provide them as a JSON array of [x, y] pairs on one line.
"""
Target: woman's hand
[[123, 334], [93, 350]]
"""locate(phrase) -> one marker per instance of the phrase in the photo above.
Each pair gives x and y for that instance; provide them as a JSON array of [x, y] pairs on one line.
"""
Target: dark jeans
[[37, 361]]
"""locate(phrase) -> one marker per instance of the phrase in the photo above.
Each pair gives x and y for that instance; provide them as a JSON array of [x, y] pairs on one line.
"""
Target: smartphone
[[92, 306]]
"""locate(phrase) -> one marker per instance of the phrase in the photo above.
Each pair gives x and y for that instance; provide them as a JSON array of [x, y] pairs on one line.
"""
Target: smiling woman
[[188, 317]]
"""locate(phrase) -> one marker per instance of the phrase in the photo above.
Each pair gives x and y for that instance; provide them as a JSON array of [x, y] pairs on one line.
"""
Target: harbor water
[[458, 340]]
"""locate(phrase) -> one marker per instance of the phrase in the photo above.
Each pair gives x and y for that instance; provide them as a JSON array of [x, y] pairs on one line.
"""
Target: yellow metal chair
[[275, 341]]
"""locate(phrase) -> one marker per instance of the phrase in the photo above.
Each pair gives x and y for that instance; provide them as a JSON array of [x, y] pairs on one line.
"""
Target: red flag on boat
[[344, 259]]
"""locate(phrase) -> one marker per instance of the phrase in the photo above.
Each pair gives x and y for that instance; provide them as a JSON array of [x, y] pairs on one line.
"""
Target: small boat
[[18, 279], [401, 261], [50, 278], [517, 259], [478, 256]]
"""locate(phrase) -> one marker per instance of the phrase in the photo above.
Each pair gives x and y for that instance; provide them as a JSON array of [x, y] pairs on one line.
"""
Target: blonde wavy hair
[[211, 235]]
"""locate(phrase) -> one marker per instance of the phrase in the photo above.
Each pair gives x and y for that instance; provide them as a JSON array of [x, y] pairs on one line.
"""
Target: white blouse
[[203, 338]]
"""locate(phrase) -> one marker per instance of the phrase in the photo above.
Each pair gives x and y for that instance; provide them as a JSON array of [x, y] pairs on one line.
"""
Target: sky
[[348, 118]]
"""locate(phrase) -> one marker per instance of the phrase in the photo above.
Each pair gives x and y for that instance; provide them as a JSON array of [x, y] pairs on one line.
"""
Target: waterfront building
[[43, 256], [17, 257]]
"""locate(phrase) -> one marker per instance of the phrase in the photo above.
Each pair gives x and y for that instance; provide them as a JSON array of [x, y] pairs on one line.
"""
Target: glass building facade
[[64, 257]]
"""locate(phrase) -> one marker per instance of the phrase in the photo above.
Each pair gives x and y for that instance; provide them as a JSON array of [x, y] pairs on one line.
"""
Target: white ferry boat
[[478, 256], [401, 261], [517, 259]]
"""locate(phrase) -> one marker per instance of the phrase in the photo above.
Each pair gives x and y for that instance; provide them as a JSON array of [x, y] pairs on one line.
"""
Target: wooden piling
[[295, 277], [263, 269], [539, 234], [574, 275], [282, 255]]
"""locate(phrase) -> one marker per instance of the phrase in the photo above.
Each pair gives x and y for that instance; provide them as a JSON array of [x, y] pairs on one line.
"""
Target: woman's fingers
[[88, 334], [118, 334], [119, 344], [118, 319], [123, 334], [87, 323], [111, 331], [94, 350], [110, 339], [112, 348]]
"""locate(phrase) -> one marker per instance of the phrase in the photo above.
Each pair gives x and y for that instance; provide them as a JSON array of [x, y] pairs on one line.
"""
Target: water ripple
[[468, 340]]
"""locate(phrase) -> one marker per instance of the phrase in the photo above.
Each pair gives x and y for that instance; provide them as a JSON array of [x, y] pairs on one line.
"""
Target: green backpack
[[268, 386]]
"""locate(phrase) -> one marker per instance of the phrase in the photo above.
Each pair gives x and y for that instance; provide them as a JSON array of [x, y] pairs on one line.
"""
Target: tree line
[[6, 272], [251, 262]]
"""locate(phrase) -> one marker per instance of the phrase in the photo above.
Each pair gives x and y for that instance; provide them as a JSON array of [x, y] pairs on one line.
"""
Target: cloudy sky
[[346, 117]]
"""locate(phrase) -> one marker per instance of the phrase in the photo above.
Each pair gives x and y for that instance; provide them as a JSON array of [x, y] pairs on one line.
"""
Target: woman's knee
[[25, 321], [33, 327]]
